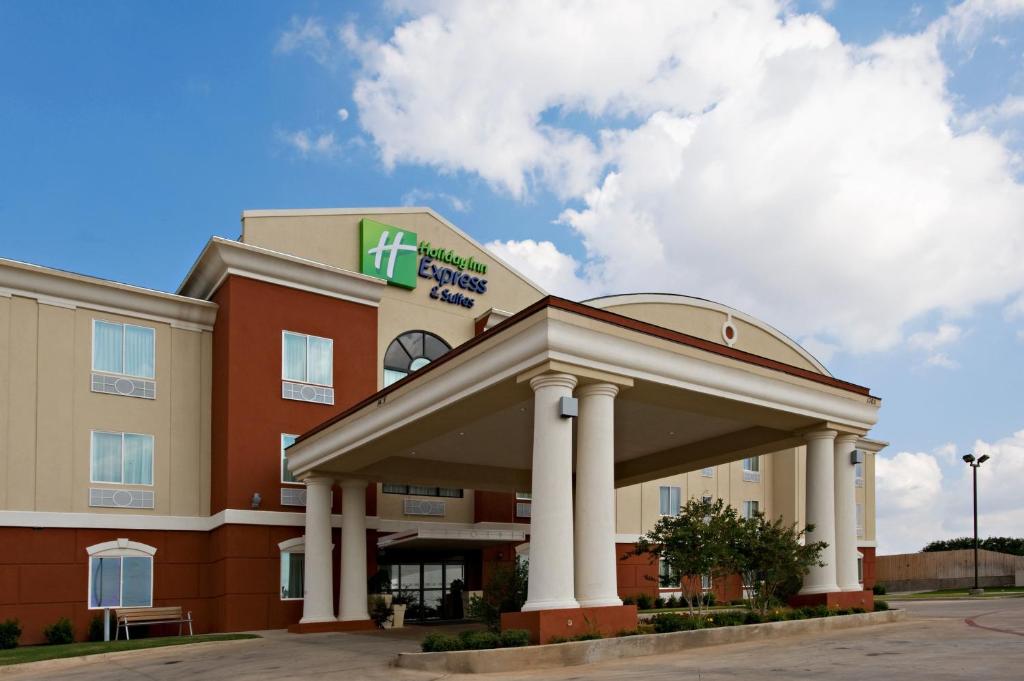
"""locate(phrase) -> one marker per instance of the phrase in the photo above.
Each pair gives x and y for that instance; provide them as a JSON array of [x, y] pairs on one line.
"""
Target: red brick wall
[[636, 574], [869, 566], [249, 413], [228, 578]]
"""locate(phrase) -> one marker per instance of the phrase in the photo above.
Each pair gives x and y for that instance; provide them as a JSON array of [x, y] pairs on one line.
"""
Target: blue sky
[[131, 132]]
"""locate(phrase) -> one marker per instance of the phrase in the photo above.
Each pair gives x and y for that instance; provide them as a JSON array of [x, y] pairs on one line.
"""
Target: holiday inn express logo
[[388, 253]]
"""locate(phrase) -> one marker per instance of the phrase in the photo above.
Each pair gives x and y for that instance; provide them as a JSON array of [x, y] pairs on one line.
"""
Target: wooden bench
[[130, 617]]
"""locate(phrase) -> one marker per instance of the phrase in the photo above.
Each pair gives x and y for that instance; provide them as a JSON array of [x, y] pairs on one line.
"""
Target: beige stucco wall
[[47, 411], [706, 323], [389, 507], [334, 240]]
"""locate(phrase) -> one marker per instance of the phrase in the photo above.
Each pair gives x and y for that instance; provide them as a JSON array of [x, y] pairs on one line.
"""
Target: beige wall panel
[[5, 390], [96, 411], [205, 406], [389, 506], [54, 410], [869, 497], [21, 395], [185, 445], [707, 324], [784, 485], [627, 510]]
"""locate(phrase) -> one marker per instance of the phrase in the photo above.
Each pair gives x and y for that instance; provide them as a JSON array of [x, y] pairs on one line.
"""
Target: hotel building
[[368, 396]]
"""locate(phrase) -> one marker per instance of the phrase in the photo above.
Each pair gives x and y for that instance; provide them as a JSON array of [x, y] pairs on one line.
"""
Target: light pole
[[974, 464]]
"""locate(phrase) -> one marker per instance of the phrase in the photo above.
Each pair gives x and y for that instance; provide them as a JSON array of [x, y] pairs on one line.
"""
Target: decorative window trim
[[119, 548], [125, 374], [707, 472], [306, 336], [94, 481]]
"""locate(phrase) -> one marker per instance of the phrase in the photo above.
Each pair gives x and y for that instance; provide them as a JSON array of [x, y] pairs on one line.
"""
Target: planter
[[399, 616]]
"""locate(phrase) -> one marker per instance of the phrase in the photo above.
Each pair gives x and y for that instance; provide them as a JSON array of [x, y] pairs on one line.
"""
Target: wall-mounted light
[[568, 407]]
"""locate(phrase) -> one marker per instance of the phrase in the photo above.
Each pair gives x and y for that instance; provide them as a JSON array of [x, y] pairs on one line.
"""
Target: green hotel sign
[[393, 254]]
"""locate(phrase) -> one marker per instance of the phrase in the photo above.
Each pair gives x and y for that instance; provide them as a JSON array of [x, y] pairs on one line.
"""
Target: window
[[708, 472], [666, 579], [307, 359], [752, 469], [411, 351], [120, 575], [669, 501], [123, 349], [121, 458], [287, 441], [860, 567], [707, 499], [293, 570], [524, 496], [422, 491], [750, 509], [858, 474], [860, 519], [706, 583]]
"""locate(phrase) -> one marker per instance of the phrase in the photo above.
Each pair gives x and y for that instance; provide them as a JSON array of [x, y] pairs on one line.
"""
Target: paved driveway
[[977, 640]]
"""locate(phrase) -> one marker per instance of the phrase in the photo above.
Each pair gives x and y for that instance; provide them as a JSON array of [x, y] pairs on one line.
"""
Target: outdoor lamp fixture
[[974, 464], [255, 501]]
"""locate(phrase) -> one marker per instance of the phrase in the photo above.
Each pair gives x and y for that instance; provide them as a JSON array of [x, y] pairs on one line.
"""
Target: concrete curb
[[41, 666], [588, 652]]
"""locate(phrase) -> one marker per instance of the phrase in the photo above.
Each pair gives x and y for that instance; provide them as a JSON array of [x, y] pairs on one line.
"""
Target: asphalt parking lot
[[981, 640]]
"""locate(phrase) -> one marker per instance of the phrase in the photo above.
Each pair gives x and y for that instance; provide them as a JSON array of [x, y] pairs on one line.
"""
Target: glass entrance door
[[428, 588]]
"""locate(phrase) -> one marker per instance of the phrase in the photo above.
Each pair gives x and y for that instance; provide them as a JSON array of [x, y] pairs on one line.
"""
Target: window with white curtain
[[666, 579], [669, 500], [293, 566], [121, 458], [752, 469], [307, 359], [750, 509], [706, 583], [286, 441], [123, 349]]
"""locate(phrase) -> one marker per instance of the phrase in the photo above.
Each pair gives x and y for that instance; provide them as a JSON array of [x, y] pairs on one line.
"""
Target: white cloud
[[740, 153], [941, 359], [308, 35], [1015, 310], [308, 144], [918, 503], [541, 261], [1010, 108], [343, 114], [930, 340], [419, 197]]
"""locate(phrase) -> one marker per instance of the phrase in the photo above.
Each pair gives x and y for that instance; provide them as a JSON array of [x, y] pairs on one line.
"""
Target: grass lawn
[[36, 653], [990, 592]]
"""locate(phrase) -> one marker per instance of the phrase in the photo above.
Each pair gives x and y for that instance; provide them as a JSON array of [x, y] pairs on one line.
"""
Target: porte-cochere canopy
[[652, 402]]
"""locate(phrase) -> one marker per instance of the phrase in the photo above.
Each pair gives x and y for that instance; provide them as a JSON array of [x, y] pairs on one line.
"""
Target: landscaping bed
[[637, 643], [38, 653]]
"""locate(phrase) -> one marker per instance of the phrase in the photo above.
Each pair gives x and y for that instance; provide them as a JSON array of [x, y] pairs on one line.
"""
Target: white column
[[352, 593], [551, 542], [596, 579], [821, 510], [318, 594], [846, 515]]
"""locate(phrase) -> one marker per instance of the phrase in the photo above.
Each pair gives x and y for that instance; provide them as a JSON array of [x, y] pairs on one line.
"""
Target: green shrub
[[659, 602], [622, 633], [857, 610], [629, 600], [479, 640], [672, 602], [439, 643], [709, 598], [737, 601], [880, 606], [878, 589], [752, 617], [672, 621], [10, 632], [60, 632], [515, 638], [588, 636], [558, 639], [644, 601], [843, 611], [727, 618], [645, 628]]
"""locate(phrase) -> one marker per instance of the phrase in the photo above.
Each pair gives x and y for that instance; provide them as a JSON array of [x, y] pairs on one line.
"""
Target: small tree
[[702, 539], [505, 592], [772, 555]]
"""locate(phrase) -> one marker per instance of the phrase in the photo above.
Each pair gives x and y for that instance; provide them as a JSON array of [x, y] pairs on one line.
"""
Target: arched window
[[411, 351], [120, 574]]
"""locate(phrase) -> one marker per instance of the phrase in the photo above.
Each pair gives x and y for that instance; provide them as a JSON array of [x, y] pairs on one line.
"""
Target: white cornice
[[402, 210], [222, 257], [69, 290]]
